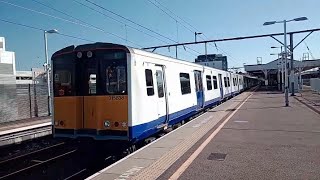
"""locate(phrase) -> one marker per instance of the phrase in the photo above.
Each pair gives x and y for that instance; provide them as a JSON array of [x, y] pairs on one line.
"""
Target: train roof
[[101, 45], [170, 59]]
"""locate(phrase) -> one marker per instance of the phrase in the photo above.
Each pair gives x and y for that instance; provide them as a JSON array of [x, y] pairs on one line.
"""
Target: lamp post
[[285, 52], [195, 35], [47, 66]]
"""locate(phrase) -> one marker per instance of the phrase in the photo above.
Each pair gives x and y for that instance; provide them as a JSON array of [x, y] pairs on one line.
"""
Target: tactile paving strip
[[158, 167]]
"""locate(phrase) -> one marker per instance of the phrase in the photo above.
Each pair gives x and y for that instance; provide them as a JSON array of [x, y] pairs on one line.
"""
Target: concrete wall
[[21, 101], [315, 84]]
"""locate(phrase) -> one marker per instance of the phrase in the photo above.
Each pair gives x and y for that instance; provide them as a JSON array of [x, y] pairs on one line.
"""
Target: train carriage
[[113, 92]]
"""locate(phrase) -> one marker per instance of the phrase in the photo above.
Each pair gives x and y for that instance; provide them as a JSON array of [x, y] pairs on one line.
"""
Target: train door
[[89, 72], [220, 86], [238, 84], [199, 89], [231, 84], [162, 105]]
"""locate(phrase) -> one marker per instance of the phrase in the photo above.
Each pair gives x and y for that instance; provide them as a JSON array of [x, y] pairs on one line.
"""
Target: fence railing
[[315, 84], [22, 101]]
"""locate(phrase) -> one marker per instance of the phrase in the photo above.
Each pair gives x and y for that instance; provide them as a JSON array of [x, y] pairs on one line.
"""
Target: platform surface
[[255, 139], [22, 125]]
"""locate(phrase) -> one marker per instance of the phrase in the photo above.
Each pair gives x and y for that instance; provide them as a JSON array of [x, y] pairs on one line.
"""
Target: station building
[[23, 94], [217, 61], [272, 73], [7, 64]]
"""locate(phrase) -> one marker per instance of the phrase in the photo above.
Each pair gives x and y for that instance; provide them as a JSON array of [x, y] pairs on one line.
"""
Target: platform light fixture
[[47, 65], [285, 52]]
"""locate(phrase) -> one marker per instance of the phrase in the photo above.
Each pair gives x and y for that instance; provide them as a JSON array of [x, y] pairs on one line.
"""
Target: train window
[[160, 83], [209, 83], [228, 82], [215, 82], [185, 83], [149, 82], [225, 82], [92, 84], [63, 77], [62, 83], [116, 80]]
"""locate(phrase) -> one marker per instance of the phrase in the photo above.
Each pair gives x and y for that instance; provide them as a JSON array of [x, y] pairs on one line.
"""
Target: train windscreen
[[114, 72], [63, 76]]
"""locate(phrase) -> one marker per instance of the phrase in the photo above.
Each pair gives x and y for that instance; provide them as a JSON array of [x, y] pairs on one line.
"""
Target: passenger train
[[113, 92]]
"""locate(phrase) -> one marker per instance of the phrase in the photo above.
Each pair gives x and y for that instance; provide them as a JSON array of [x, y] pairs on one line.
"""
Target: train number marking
[[115, 98]]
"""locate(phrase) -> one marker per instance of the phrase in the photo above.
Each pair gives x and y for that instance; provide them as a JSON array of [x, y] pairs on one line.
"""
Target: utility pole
[[205, 50], [47, 67], [195, 36], [286, 62], [292, 65], [176, 52], [282, 71]]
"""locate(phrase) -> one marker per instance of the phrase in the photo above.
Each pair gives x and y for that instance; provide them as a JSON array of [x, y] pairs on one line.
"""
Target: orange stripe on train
[[96, 110]]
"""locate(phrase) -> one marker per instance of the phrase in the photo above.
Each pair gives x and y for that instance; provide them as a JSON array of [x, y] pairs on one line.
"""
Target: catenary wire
[[215, 45], [41, 29], [69, 21], [133, 22]]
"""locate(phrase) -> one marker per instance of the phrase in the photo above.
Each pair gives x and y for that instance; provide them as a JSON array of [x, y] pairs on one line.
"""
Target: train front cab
[[91, 92]]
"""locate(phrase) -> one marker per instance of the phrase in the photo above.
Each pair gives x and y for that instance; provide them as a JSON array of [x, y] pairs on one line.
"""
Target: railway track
[[63, 160], [21, 165], [67, 159]]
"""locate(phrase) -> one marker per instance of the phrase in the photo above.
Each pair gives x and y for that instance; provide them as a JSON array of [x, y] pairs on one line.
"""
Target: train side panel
[[211, 87], [146, 105]]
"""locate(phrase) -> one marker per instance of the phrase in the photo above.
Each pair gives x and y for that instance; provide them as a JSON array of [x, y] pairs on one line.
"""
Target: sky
[[215, 19]]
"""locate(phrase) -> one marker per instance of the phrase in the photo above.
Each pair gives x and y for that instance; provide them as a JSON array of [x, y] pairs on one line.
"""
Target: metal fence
[[315, 84], [23, 101], [306, 82]]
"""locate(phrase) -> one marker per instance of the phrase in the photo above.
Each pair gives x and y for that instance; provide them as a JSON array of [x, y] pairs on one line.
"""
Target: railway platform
[[251, 136], [21, 130]]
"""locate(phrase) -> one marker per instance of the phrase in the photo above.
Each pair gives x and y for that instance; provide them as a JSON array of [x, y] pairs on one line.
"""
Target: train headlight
[[56, 123], [61, 123], [124, 124], [106, 124], [79, 54], [116, 124], [89, 54]]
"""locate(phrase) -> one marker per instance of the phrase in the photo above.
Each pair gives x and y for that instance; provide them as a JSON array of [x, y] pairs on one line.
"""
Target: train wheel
[[176, 125], [149, 140]]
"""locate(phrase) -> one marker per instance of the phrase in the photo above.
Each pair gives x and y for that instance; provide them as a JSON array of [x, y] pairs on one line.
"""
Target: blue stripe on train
[[227, 95], [143, 131], [212, 102]]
